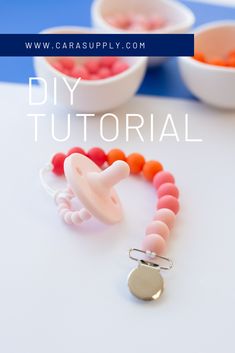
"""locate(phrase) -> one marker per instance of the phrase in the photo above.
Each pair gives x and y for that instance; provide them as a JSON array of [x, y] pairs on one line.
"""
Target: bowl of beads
[[100, 83], [138, 16], [210, 74]]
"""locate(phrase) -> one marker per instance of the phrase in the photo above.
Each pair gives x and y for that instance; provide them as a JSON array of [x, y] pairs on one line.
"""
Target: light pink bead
[[158, 227], [165, 215], [170, 202], [75, 218], [162, 178], [154, 243], [168, 189], [68, 217]]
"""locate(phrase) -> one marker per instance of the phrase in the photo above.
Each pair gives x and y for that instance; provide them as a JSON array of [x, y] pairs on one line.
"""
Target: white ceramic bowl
[[212, 84], [180, 19], [92, 96]]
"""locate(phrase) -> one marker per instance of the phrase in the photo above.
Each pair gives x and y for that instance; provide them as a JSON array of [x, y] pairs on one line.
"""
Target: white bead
[[63, 205], [63, 212]]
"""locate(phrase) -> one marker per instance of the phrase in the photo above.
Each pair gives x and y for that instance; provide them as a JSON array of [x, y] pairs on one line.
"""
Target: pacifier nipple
[[103, 182], [95, 187]]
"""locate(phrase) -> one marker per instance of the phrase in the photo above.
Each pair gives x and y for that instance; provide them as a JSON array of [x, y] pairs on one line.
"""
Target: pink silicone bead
[[104, 72], [67, 63], [165, 215], [92, 66], [108, 61], [162, 178], [168, 189], [119, 67], [158, 227], [170, 202], [80, 72], [154, 243]]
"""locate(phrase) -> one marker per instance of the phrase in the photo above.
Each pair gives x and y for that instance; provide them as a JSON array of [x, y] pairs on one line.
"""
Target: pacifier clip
[[91, 178]]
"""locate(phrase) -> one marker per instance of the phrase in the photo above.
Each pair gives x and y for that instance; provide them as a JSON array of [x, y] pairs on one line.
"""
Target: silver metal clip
[[145, 282]]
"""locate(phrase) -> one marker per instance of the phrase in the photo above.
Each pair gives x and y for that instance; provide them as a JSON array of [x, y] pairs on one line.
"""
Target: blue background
[[31, 16]]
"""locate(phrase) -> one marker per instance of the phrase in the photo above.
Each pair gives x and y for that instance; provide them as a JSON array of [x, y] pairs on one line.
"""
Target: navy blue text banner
[[96, 44]]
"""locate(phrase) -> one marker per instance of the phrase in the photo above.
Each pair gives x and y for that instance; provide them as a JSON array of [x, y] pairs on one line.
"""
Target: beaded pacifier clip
[[93, 184]]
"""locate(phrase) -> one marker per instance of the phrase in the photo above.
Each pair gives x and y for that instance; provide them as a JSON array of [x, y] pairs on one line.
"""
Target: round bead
[[168, 189], [151, 168], [115, 155], [162, 178], [154, 243], [68, 217], [58, 163], [165, 215], [108, 61], [92, 66], [170, 202], [80, 72], [67, 63], [119, 67], [75, 218], [76, 150], [97, 155], [158, 227], [104, 72], [136, 162]]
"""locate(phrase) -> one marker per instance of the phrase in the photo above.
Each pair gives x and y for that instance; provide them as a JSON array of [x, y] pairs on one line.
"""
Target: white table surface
[[64, 290]]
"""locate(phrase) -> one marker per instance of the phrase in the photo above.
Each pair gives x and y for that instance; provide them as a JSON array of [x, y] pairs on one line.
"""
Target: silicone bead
[[115, 155], [158, 227], [170, 202], [154, 243], [108, 61], [80, 72], [165, 215], [119, 67], [76, 150], [75, 218], [162, 178], [58, 163], [136, 162], [104, 72], [92, 66], [168, 189], [68, 217], [97, 155], [151, 168], [67, 63]]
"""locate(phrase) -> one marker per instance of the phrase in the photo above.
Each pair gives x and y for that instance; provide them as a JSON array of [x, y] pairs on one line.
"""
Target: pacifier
[[92, 186]]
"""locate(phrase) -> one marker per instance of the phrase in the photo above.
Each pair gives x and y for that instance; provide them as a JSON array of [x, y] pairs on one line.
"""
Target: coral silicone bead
[[97, 155], [154, 243], [115, 155], [168, 189], [67, 63], [158, 227], [76, 150], [151, 168], [170, 202], [108, 61], [58, 163], [92, 66], [162, 178], [136, 162], [165, 215]]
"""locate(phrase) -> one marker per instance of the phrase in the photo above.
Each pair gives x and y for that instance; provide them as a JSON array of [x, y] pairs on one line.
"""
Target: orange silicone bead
[[217, 62], [115, 155], [231, 61], [151, 168], [231, 54], [200, 57], [136, 162]]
